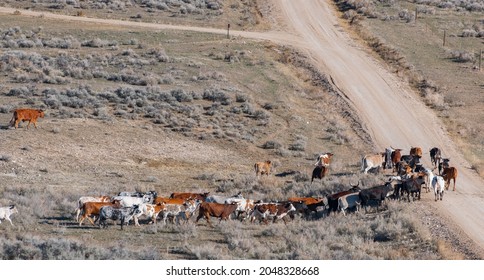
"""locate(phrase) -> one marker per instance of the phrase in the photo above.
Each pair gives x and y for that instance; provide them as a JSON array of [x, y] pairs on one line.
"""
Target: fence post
[[228, 28], [480, 59], [443, 44]]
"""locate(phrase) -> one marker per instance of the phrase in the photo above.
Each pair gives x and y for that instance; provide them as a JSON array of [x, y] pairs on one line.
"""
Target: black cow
[[124, 214], [435, 156], [413, 187], [319, 172], [333, 198], [375, 194], [443, 164], [412, 161]]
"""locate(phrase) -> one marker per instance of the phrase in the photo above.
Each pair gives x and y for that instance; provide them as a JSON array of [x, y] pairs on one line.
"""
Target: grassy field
[[131, 109]]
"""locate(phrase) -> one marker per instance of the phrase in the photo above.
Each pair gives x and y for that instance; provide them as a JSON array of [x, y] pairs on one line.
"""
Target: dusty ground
[[366, 85]]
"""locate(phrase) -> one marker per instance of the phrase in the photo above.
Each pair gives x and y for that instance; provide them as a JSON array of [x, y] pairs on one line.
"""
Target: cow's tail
[[12, 121], [362, 164]]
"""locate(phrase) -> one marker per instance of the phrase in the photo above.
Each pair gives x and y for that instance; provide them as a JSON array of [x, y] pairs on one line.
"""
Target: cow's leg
[[454, 184], [90, 220], [207, 217], [16, 123], [8, 219], [83, 217]]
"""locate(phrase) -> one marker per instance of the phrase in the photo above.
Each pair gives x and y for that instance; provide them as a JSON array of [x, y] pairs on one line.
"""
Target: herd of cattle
[[410, 176], [406, 184]]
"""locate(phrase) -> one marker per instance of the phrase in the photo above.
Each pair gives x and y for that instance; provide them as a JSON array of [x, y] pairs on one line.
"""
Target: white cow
[[372, 161], [437, 182], [349, 201], [5, 213], [128, 201]]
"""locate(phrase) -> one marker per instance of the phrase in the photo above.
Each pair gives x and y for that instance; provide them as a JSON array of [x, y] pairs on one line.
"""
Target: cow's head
[[13, 209]]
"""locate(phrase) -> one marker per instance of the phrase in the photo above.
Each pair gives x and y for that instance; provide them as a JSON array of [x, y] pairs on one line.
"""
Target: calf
[[6, 211], [21, 115], [213, 209], [124, 214]]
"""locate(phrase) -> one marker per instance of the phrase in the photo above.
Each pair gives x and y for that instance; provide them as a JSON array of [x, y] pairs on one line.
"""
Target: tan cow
[[372, 161], [30, 115], [262, 168]]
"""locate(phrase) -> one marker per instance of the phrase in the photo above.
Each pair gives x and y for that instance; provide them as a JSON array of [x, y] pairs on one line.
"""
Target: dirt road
[[387, 107]]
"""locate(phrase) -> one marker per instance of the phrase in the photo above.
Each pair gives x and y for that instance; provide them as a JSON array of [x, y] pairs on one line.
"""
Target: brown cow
[[416, 152], [188, 195], [84, 199], [30, 115], [262, 168], [92, 209], [449, 173], [396, 157], [218, 210]]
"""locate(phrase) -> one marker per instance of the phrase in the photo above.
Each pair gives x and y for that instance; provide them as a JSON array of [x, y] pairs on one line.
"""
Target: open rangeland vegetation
[[130, 109]]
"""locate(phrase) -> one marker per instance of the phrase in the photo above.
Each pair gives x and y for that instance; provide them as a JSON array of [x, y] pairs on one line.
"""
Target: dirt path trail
[[387, 107]]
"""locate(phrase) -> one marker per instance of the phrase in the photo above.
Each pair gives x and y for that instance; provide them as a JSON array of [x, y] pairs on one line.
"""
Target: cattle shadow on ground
[[287, 173], [5, 127], [341, 174]]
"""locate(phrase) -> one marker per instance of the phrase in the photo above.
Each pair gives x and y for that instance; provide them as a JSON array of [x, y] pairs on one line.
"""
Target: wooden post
[[443, 44], [480, 59], [416, 14], [228, 28]]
